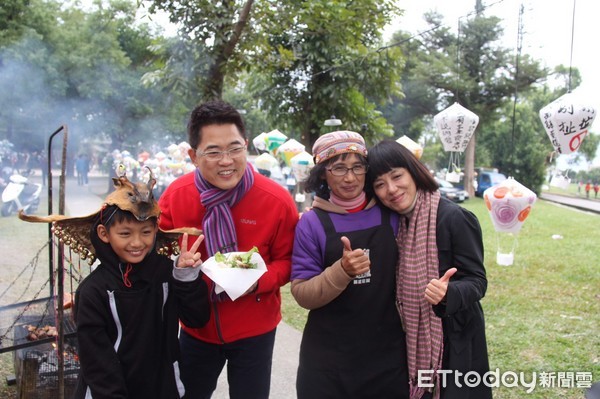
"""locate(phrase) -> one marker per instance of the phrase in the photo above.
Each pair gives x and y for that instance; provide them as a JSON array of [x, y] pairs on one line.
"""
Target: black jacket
[[128, 337], [460, 245]]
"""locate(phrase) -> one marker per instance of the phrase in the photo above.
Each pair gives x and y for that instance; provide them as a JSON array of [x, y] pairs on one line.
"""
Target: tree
[[410, 113], [82, 69], [472, 69], [24, 62], [325, 58], [317, 60], [518, 146], [216, 37], [17, 17]]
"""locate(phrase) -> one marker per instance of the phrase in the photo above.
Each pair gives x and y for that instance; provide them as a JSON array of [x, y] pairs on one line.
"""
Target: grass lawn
[[543, 312]]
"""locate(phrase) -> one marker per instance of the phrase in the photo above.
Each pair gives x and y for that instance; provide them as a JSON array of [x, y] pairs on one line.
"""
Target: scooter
[[5, 173], [19, 193]]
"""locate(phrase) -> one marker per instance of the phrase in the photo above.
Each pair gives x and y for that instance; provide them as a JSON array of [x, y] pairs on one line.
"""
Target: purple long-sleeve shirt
[[309, 242]]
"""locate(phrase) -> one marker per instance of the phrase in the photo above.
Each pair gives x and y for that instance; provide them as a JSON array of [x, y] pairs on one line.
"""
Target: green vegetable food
[[241, 261]]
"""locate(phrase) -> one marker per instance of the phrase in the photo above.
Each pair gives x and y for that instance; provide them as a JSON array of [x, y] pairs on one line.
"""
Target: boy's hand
[[189, 258]]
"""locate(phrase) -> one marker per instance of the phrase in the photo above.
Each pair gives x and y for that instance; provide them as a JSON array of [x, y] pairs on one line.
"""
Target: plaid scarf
[[219, 229], [418, 264]]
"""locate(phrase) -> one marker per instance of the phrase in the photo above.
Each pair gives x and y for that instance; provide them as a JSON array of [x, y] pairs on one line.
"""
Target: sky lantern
[[143, 156], [509, 204], [560, 180], [160, 155], [414, 147], [274, 139], [301, 164], [289, 149], [260, 142], [567, 121], [455, 125], [265, 161]]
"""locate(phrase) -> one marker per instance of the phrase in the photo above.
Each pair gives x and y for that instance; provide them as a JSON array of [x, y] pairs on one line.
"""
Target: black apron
[[354, 347]]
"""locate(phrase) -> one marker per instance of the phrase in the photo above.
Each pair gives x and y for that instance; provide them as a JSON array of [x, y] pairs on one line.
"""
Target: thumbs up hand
[[354, 261], [436, 290]]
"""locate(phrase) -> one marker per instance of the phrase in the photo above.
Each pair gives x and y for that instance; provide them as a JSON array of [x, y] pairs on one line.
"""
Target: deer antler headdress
[[136, 198]]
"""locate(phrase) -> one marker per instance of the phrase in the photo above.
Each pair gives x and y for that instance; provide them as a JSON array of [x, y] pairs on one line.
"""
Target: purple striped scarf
[[419, 264], [219, 229]]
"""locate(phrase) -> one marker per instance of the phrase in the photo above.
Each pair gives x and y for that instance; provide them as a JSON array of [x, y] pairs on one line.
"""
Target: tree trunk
[[213, 87]]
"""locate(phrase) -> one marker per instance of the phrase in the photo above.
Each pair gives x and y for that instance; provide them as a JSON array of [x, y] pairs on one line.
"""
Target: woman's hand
[[435, 292], [354, 262], [189, 258]]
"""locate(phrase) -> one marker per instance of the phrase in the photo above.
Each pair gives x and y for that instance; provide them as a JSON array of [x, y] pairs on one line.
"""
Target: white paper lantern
[[265, 161], [260, 142], [301, 165], [455, 126], [409, 143], [560, 181], [567, 121]]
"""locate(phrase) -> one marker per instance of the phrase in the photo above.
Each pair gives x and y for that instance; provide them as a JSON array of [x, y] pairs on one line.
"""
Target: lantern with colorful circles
[[509, 204]]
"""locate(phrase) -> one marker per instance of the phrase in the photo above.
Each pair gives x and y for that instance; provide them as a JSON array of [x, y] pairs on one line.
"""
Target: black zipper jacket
[[128, 337]]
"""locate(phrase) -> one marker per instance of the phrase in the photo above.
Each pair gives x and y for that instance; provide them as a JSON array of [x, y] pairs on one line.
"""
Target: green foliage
[[83, 69], [218, 37], [589, 146], [471, 68], [320, 60], [108, 77], [18, 17]]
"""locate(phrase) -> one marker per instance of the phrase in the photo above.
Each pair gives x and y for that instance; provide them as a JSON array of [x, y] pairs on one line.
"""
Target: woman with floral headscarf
[[343, 271]]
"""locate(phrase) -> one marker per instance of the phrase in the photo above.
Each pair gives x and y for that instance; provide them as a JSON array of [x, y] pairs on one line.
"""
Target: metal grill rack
[[15, 318], [37, 365]]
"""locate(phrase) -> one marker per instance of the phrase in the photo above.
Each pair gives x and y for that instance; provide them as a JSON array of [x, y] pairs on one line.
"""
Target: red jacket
[[266, 217]]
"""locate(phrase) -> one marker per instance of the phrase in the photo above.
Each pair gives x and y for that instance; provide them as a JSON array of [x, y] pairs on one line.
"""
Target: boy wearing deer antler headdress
[[127, 310]]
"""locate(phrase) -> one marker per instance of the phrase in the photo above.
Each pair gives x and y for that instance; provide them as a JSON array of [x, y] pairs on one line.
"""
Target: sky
[[549, 35]]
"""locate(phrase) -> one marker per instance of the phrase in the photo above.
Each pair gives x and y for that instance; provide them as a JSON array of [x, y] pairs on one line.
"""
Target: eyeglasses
[[340, 170], [218, 155]]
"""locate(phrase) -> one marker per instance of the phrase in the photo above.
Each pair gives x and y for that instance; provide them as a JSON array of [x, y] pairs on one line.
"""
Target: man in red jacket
[[237, 208]]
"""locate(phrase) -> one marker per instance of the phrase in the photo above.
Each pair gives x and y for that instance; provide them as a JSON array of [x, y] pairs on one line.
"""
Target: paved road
[[575, 202]]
